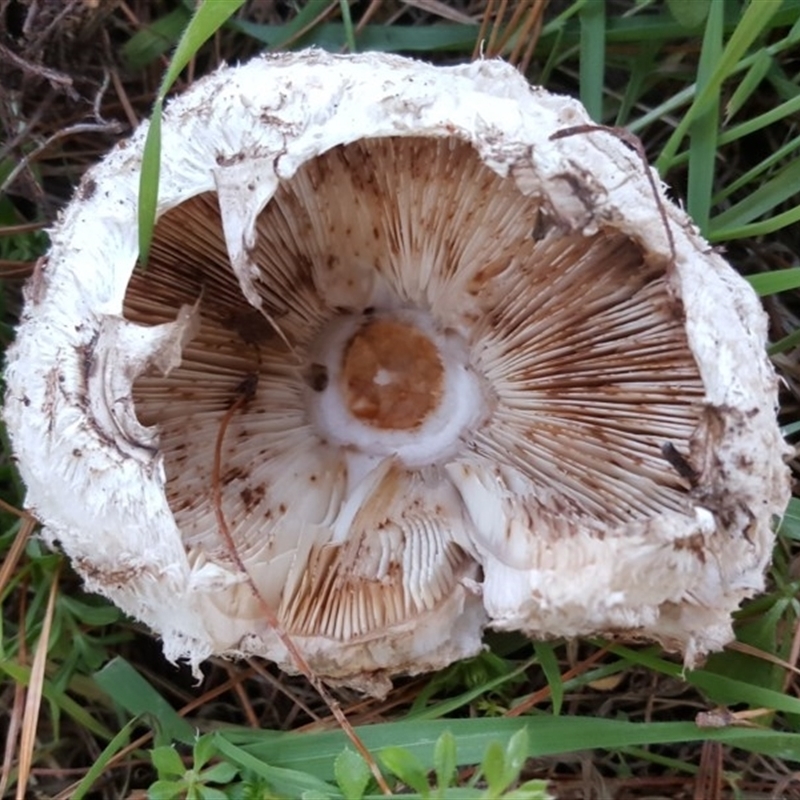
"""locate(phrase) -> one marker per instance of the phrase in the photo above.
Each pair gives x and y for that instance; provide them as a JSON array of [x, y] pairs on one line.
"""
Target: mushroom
[[433, 366]]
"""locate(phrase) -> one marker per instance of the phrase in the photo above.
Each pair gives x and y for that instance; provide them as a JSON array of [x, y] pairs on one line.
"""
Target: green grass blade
[[781, 280], [790, 523], [763, 200], [315, 753], [757, 228], [751, 81], [640, 70], [784, 344], [592, 57], [703, 132], [132, 692], [681, 98], [304, 20], [752, 23], [690, 13], [347, 21], [331, 36], [208, 18], [148, 183], [549, 664], [290, 782], [709, 682], [752, 174], [777, 114], [451, 704], [109, 751], [790, 429]]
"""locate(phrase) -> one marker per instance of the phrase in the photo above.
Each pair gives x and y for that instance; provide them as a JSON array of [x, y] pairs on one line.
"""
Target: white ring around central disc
[[462, 406]]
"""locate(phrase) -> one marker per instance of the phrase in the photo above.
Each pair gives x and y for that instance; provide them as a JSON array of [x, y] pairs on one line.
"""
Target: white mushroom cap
[[474, 386]]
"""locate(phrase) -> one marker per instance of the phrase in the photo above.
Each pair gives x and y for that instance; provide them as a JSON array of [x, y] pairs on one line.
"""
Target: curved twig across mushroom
[[489, 385]]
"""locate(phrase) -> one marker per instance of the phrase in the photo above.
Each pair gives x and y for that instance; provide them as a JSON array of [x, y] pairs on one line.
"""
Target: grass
[[89, 707]]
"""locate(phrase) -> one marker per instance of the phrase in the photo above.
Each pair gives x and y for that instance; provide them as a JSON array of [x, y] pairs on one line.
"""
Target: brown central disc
[[392, 375]]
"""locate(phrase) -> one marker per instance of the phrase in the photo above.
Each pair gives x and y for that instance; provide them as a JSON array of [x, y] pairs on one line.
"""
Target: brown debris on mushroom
[[484, 393]]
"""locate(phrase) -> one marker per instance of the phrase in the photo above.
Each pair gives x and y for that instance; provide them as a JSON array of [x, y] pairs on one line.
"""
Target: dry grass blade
[[486, 21], [525, 24], [14, 725], [708, 784], [512, 26], [245, 392], [748, 649], [490, 49], [15, 270], [33, 699], [14, 553], [528, 36], [17, 713], [440, 9]]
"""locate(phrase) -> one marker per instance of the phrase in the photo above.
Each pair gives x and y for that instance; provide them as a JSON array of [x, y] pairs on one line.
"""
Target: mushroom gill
[[421, 359]]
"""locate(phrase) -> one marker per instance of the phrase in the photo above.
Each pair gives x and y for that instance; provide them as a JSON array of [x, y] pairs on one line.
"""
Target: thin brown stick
[[544, 693], [127, 107], [310, 26], [284, 690], [50, 75], [43, 33], [23, 227], [97, 103], [244, 700], [245, 392], [26, 131], [634, 143], [368, 14], [131, 16]]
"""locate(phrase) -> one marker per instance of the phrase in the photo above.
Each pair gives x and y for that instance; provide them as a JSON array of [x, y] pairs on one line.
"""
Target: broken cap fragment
[[481, 388]]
